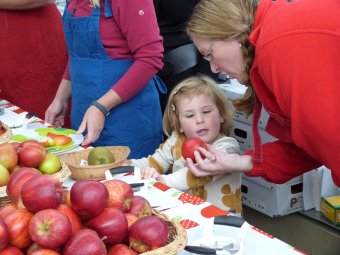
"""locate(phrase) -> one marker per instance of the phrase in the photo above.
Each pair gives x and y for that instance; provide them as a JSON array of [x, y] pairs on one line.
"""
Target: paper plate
[[37, 133]]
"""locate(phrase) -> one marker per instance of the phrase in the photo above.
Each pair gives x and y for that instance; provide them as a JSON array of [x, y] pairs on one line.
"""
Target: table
[[193, 213]]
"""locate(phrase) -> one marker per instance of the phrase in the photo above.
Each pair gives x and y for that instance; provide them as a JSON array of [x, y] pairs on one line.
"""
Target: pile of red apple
[[30, 153], [92, 218]]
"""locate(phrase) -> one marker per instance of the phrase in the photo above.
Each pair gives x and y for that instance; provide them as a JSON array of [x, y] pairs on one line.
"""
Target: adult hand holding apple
[[190, 145]]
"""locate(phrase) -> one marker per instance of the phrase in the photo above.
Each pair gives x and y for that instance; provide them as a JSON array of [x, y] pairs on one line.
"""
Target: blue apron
[[136, 123]]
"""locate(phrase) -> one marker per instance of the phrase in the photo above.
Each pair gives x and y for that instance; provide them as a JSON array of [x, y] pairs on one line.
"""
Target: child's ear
[[181, 130]]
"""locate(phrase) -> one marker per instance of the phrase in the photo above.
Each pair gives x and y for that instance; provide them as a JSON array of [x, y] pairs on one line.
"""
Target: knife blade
[[207, 251]]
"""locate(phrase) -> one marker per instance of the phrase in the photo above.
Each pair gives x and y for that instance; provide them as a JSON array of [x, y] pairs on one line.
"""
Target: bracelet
[[100, 107]]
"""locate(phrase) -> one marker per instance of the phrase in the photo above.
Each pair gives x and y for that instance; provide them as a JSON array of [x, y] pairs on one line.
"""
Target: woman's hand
[[218, 162], [56, 112], [93, 122]]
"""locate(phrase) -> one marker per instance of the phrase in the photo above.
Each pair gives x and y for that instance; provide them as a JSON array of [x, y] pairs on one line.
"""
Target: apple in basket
[[31, 153], [131, 218], [42, 251], [120, 194], [18, 179], [110, 223], [4, 176], [88, 198], [85, 242], [4, 234], [42, 192], [148, 233], [11, 250], [51, 164], [120, 249], [50, 228], [8, 156], [140, 206]]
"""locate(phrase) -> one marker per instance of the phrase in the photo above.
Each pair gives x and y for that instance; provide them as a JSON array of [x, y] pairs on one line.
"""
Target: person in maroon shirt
[[115, 52]]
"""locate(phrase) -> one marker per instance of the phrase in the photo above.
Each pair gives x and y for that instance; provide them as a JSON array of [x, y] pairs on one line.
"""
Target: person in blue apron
[[109, 113]]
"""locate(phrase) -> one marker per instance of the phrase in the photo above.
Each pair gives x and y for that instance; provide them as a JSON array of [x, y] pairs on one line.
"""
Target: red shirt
[[132, 33], [296, 77]]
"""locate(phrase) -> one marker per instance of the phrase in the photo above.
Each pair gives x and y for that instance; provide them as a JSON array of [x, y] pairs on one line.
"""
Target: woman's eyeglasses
[[208, 57]]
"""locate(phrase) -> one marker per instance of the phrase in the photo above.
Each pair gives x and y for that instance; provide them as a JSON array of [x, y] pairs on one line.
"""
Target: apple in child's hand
[[120, 249], [4, 234], [50, 228], [120, 194], [148, 233], [190, 145], [140, 206], [51, 164], [85, 242], [88, 198], [111, 224], [42, 192]]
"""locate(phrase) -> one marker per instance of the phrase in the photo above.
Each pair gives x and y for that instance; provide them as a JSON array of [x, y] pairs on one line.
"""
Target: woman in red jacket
[[33, 53], [288, 54]]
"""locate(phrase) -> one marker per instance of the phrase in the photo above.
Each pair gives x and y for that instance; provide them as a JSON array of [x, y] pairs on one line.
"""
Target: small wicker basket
[[177, 238], [61, 175], [5, 137], [73, 159]]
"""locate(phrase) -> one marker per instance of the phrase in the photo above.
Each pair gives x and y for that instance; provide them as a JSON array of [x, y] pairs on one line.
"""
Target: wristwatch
[[100, 107]]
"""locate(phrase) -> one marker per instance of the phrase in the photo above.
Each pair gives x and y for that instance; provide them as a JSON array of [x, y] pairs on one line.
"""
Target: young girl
[[196, 108]]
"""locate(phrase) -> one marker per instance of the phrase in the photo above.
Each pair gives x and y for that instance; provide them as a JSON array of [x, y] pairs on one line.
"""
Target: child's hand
[[149, 172]]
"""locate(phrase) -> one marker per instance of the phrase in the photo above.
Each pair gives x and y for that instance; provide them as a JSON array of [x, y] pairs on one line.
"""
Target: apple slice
[[61, 140]]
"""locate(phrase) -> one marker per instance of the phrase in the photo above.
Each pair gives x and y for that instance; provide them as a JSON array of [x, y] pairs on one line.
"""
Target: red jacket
[[296, 78]]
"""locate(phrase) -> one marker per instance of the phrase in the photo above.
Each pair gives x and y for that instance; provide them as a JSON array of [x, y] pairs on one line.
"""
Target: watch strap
[[100, 107]]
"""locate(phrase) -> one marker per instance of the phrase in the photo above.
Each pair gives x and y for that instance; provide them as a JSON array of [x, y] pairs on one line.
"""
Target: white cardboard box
[[270, 198], [242, 132], [235, 90]]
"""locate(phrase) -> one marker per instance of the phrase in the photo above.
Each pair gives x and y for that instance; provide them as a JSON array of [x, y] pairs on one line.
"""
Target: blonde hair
[[193, 86], [228, 19], [95, 3]]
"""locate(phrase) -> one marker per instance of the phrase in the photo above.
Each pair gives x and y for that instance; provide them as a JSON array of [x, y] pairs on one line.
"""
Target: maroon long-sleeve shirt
[[132, 33]]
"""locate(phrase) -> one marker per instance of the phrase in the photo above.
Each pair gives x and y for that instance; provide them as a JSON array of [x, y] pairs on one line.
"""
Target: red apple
[[140, 207], [120, 249], [111, 224], [17, 223], [88, 198], [42, 192], [120, 194], [42, 251], [11, 250], [4, 234], [131, 218], [17, 180], [8, 156], [85, 242], [31, 248], [31, 153], [76, 224], [8, 209], [190, 145], [148, 233], [50, 228]]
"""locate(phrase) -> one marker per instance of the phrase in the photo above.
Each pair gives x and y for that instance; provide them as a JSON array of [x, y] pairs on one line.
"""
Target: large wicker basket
[[61, 175], [177, 238], [73, 159], [5, 137]]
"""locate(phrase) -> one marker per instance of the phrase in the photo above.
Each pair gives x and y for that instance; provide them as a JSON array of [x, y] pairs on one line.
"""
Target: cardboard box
[[270, 198], [234, 90], [242, 132], [330, 209]]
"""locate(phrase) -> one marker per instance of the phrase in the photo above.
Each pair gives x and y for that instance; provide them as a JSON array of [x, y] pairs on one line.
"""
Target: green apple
[[99, 156], [4, 175], [51, 164]]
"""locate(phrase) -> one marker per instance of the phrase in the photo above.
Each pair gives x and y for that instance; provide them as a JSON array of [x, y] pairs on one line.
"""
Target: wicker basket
[[73, 159], [5, 137], [62, 175], [177, 238]]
